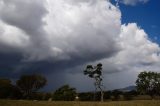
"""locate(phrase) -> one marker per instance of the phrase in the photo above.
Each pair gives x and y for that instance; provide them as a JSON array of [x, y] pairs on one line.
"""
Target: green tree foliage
[[29, 84], [65, 93], [7, 90], [148, 83], [93, 72]]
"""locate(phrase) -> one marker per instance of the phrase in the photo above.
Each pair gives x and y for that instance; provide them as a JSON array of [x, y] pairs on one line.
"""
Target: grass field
[[46, 103]]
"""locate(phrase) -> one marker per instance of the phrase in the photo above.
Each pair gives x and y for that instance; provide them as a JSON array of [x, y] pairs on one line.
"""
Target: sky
[[59, 38]]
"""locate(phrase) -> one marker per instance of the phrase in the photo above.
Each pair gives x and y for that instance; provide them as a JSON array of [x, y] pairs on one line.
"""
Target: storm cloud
[[58, 38]]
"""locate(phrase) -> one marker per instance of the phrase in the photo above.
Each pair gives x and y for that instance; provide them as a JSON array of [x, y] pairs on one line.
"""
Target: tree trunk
[[102, 95]]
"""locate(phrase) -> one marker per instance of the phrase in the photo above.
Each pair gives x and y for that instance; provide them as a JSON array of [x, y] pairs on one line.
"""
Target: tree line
[[25, 88], [28, 87]]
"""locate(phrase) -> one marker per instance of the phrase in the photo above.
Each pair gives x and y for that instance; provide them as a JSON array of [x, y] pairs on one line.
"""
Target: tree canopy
[[28, 84], [148, 83], [65, 93]]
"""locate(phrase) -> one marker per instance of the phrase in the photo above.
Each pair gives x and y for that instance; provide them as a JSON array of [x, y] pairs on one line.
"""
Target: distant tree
[[86, 96], [107, 94], [16, 93], [5, 88], [116, 94], [95, 72], [148, 83], [47, 96], [133, 92], [29, 84], [127, 96], [65, 93]]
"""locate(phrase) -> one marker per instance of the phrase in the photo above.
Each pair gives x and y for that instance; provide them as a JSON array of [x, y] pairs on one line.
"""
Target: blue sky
[[146, 15]]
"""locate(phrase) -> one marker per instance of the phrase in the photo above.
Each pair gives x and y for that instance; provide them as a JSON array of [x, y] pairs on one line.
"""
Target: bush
[[65, 93]]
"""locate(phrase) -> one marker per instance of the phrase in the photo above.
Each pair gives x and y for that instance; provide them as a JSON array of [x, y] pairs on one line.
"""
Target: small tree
[[29, 84], [65, 93], [148, 83], [96, 73]]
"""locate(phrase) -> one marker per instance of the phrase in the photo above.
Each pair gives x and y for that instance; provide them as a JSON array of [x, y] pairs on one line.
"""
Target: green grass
[[111, 103]]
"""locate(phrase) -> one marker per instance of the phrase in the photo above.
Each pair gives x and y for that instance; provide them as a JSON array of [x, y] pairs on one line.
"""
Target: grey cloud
[[26, 15], [58, 35], [58, 38], [45, 44], [84, 35]]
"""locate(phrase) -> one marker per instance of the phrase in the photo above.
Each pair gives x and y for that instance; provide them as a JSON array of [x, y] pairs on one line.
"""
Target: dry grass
[[46, 103]]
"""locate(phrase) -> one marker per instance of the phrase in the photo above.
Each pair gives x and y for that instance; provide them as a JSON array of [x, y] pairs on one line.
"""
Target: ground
[[52, 103]]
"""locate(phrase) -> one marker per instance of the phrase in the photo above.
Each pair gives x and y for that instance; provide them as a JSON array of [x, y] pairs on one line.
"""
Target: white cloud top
[[64, 29]]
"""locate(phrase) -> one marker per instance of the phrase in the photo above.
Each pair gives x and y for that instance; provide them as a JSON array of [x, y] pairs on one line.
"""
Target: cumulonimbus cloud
[[58, 35], [62, 29], [137, 51]]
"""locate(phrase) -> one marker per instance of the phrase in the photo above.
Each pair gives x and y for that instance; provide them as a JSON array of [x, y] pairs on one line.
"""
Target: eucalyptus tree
[[95, 72], [148, 83]]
